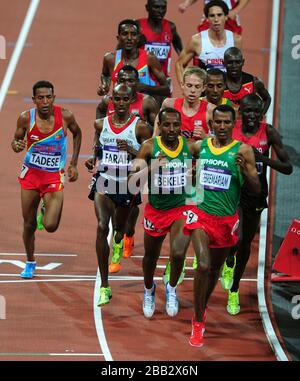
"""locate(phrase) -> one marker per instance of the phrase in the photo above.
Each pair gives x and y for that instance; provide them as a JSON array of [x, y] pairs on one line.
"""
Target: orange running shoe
[[114, 267], [128, 246], [196, 338]]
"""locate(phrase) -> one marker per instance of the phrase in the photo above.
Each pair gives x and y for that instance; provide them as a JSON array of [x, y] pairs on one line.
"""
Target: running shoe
[[172, 304], [167, 273], [227, 275], [117, 252], [233, 303], [39, 219], [28, 272], [105, 296], [196, 338], [128, 246], [149, 303], [195, 264]]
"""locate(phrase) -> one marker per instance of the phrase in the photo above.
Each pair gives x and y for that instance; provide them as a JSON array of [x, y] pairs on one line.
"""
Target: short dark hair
[[41, 84], [224, 108], [122, 85], [130, 69], [169, 110], [252, 98], [217, 72], [128, 22], [233, 51], [216, 3]]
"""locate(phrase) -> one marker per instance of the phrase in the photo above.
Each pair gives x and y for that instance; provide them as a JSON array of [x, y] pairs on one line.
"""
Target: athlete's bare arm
[[234, 12], [150, 109], [260, 89], [18, 143], [168, 102], [91, 162], [102, 107], [107, 69], [237, 40], [283, 164], [155, 69], [74, 128], [176, 42], [142, 132], [183, 6], [192, 49], [246, 161]]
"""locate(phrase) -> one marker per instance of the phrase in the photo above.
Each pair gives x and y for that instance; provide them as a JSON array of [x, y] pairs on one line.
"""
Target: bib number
[[24, 170], [191, 217]]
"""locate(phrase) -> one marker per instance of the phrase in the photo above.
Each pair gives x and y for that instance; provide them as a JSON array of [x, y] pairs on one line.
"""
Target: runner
[[42, 131]]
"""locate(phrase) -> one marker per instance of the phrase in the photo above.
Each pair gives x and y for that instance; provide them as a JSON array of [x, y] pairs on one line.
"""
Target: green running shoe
[[195, 264], [233, 303], [105, 296], [117, 253], [39, 219], [227, 275], [167, 273]]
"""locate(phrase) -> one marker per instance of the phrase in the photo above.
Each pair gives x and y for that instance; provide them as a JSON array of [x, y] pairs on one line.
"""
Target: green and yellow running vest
[[220, 177], [168, 187]]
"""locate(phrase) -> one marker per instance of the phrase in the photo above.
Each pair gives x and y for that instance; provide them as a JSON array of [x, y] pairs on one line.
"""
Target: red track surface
[[67, 41]]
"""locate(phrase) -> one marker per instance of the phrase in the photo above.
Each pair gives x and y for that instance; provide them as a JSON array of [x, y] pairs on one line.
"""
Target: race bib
[[191, 217], [24, 170], [160, 50], [215, 179], [46, 162], [113, 157], [148, 225], [170, 181]]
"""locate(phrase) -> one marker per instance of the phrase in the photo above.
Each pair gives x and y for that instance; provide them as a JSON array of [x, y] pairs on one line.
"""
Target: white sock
[[149, 290], [170, 288]]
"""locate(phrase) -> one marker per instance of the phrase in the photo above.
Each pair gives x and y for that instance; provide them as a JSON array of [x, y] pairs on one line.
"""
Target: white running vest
[[212, 56], [115, 164]]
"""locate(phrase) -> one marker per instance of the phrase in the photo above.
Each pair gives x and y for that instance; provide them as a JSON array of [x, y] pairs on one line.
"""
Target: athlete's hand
[[182, 7], [122, 145], [18, 145], [232, 14], [102, 89], [199, 133], [72, 173], [90, 164]]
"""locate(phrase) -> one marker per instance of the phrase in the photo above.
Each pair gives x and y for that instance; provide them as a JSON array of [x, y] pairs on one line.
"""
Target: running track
[[52, 317]]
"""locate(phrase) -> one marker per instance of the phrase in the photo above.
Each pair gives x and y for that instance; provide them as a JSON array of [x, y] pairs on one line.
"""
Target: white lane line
[[262, 306], [18, 50], [48, 280], [97, 312], [52, 275], [51, 354], [39, 255], [92, 277]]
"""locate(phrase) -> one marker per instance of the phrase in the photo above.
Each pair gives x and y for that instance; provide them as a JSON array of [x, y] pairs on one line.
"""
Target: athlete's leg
[[200, 241], [152, 247], [53, 202], [250, 223], [30, 200], [104, 209], [217, 258], [121, 218], [131, 221], [179, 243]]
